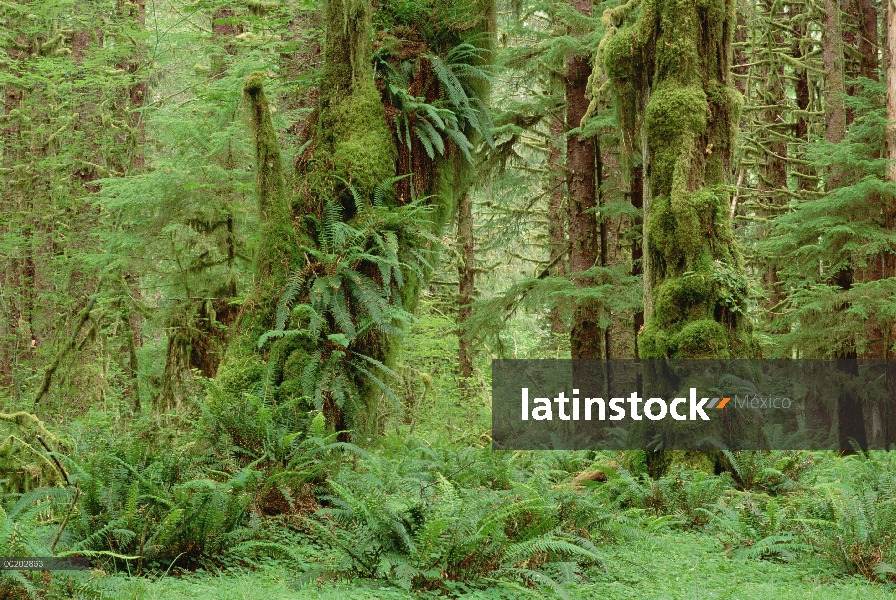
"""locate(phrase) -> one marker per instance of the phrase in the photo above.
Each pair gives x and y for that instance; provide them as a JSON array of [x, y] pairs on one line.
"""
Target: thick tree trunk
[[678, 56], [834, 89]]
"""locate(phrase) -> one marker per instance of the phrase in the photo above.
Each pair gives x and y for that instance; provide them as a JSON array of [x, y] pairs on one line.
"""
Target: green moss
[[622, 53], [24, 468], [295, 364], [701, 339], [363, 152], [653, 341], [683, 299], [238, 373], [674, 110], [705, 462], [676, 55]]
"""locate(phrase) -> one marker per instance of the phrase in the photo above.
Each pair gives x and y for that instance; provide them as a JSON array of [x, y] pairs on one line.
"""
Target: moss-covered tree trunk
[[670, 72], [328, 236], [355, 144], [800, 50], [242, 366], [678, 55], [352, 132]]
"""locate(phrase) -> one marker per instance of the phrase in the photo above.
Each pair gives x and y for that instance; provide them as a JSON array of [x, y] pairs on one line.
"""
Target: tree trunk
[[805, 178], [637, 200], [556, 221], [834, 89], [677, 56], [891, 90], [466, 290], [772, 185], [586, 335]]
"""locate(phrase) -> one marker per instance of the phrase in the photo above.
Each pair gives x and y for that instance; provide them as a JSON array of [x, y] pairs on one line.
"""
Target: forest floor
[[670, 565]]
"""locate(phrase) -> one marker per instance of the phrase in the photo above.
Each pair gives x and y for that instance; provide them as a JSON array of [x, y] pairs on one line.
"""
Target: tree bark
[[586, 335], [637, 200], [834, 89], [891, 90], [466, 290]]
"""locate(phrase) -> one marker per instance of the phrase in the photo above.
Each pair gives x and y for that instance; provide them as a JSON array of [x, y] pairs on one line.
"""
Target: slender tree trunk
[[225, 27], [603, 234], [891, 90], [586, 336], [772, 184], [556, 222], [637, 200], [804, 177], [466, 289], [133, 14]]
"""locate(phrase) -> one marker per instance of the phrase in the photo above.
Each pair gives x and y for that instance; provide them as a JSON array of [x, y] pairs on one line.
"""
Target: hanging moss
[[23, 465], [677, 56], [243, 367]]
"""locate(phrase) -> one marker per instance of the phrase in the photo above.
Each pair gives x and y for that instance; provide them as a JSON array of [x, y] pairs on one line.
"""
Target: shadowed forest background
[[256, 258]]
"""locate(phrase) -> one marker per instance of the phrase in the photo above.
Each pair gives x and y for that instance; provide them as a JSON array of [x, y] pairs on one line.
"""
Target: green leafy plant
[[351, 291], [432, 534], [454, 113]]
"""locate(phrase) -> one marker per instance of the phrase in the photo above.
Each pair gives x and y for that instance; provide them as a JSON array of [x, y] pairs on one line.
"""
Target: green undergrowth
[[265, 502], [670, 565], [285, 511]]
